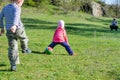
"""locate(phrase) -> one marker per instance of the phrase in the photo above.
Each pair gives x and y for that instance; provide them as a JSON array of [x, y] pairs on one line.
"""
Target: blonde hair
[[14, 0], [61, 23]]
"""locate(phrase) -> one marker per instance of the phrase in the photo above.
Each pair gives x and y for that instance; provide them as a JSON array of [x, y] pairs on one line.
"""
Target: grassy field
[[97, 49]]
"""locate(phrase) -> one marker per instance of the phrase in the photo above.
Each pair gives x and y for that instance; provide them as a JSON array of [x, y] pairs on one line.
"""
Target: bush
[[30, 3]]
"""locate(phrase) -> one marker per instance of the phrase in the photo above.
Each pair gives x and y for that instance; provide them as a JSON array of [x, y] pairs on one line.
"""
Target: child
[[14, 31], [60, 37]]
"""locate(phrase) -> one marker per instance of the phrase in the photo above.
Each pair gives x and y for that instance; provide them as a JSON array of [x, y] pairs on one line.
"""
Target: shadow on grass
[[62, 54], [2, 64], [37, 52], [38, 24], [99, 20], [82, 29], [5, 70]]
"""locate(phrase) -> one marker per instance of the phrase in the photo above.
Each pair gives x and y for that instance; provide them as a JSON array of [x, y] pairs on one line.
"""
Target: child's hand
[[13, 28], [68, 43]]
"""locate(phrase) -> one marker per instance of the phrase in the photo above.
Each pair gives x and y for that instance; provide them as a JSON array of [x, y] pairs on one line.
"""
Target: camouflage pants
[[13, 44]]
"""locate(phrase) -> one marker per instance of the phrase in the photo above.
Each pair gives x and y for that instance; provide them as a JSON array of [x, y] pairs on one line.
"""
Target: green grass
[[97, 49]]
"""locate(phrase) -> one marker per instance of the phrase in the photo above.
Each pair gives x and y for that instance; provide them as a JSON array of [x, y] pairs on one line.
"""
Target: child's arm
[[16, 19], [65, 37]]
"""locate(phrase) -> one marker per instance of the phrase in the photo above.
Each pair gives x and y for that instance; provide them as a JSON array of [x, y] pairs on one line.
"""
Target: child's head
[[114, 19], [18, 2], [61, 23]]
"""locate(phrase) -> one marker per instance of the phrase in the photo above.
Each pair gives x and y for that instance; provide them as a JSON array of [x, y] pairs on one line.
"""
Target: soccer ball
[[48, 50]]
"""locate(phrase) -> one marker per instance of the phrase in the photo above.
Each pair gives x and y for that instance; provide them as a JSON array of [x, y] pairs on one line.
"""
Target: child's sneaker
[[27, 51], [72, 54], [13, 68]]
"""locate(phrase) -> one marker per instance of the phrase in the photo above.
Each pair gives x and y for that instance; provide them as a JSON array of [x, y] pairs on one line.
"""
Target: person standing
[[14, 31]]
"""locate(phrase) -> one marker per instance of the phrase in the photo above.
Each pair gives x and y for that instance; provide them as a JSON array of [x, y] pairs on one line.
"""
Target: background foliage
[[56, 6]]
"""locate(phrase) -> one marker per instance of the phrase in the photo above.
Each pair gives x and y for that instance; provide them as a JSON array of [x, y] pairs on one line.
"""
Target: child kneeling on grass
[[60, 37]]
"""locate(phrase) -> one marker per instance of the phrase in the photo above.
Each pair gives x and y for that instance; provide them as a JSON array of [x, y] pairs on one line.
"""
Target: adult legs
[[116, 28], [111, 27]]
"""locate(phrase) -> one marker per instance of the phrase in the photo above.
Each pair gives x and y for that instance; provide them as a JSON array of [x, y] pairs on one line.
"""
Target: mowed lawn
[[97, 49]]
